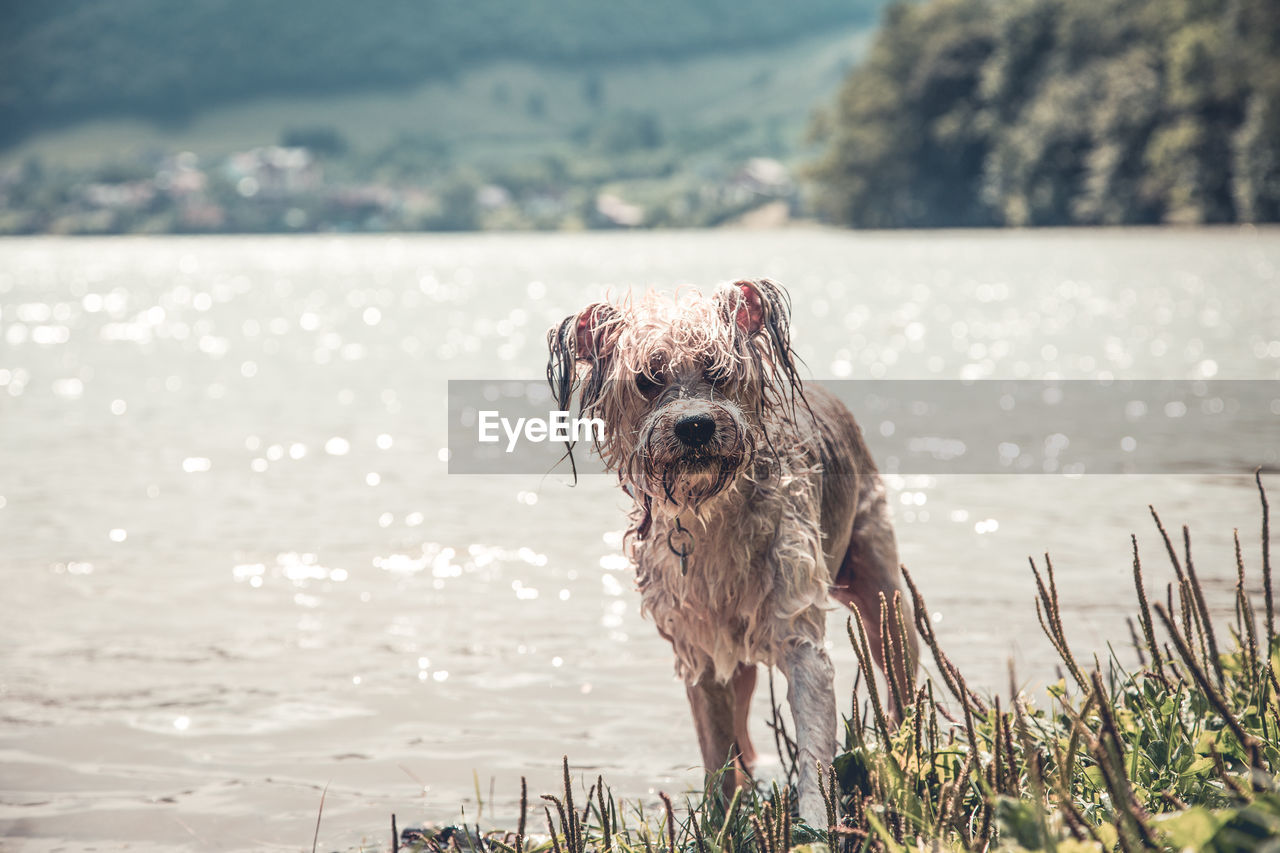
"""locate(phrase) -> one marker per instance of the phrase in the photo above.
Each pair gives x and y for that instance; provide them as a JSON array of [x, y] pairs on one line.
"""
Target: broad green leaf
[[1198, 767], [1191, 828]]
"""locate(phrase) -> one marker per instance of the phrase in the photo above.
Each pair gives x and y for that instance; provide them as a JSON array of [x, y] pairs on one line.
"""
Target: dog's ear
[[759, 306], [596, 332], [588, 336], [742, 304], [761, 309]]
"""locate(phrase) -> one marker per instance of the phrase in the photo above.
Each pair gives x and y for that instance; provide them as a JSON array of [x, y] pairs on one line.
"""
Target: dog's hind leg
[[812, 698], [720, 719], [868, 571]]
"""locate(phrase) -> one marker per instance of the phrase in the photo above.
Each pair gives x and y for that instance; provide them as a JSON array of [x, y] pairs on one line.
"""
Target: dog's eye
[[646, 385], [717, 376]]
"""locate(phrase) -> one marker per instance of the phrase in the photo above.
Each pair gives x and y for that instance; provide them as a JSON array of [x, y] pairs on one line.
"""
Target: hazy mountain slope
[[728, 104], [66, 60]]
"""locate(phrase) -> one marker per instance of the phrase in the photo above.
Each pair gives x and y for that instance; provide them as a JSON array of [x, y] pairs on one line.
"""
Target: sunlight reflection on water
[[236, 560]]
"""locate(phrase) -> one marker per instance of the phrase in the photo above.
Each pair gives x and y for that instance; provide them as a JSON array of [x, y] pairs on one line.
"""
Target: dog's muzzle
[[690, 449]]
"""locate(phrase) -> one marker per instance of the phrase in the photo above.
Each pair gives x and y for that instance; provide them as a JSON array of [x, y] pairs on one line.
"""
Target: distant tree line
[[66, 60], [1050, 112]]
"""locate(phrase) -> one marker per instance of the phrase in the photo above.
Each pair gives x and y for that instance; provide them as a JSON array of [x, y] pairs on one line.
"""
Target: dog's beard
[[693, 481], [674, 474]]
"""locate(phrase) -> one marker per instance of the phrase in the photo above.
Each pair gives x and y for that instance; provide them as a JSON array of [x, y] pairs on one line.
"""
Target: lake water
[[237, 571]]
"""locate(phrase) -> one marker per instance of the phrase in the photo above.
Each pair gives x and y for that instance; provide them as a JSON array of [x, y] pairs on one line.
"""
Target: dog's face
[[683, 386]]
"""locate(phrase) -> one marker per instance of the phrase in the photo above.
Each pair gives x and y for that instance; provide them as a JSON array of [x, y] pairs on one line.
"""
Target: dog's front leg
[[811, 695], [720, 718]]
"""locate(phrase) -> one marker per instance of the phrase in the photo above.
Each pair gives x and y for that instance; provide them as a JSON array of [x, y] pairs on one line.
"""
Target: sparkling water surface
[[237, 572]]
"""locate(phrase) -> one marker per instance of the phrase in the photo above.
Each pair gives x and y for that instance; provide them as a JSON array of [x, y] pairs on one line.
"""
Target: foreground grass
[[1181, 753]]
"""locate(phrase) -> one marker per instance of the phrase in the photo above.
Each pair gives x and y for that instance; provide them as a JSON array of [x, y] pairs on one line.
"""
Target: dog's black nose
[[695, 430]]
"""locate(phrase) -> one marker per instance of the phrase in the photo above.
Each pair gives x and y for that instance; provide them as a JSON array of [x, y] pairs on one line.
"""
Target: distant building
[[274, 172], [616, 211], [764, 176], [132, 195]]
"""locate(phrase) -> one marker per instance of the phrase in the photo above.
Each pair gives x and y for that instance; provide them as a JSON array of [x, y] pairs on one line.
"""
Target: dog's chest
[[754, 574], [709, 573]]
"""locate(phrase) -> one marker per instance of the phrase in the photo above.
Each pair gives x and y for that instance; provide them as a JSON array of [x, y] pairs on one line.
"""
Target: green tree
[[907, 141], [1048, 112], [1256, 185]]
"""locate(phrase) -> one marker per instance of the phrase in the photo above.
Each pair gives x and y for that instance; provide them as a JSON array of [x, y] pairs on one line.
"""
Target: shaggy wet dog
[[756, 503]]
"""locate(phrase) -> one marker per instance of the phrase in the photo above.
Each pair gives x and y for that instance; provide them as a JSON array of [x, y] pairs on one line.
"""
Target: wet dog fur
[[768, 487]]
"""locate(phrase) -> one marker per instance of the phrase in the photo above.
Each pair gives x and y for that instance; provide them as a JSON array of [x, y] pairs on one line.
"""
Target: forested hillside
[[1046, 112], [65, 60]]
